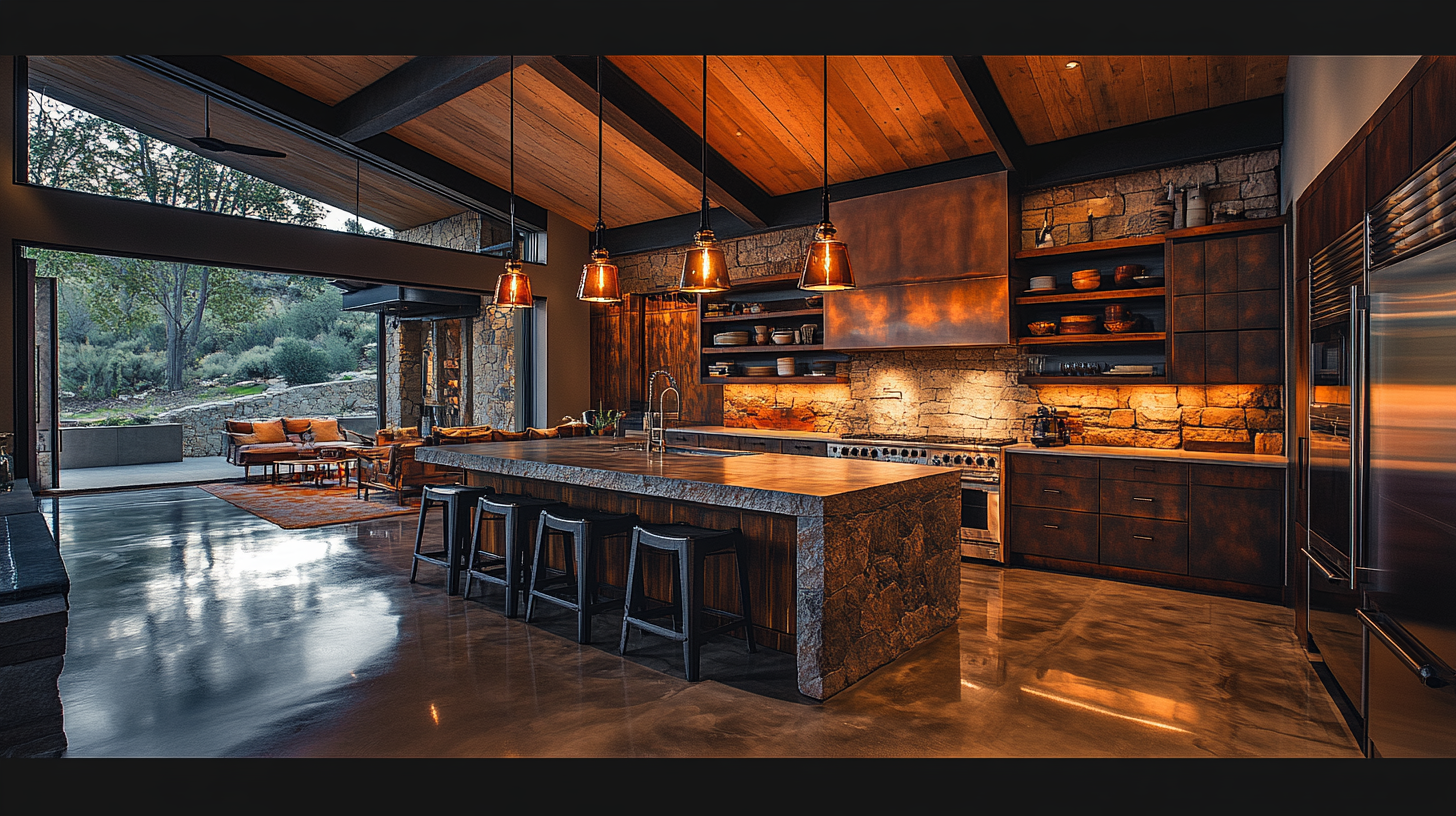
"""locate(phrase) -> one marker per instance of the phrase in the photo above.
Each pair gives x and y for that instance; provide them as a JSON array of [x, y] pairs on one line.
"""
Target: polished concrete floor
[[191, 470], [198, 630]]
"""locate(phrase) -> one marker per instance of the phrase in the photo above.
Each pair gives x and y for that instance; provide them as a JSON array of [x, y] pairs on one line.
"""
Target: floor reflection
[[199, 630]]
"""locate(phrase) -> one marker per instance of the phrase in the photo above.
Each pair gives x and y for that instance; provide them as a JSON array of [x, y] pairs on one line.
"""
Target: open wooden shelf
[[1125, 337], [1092, 379], [761, 316], [1096, 294], [797, 378], [782, 350], [1112, 245]]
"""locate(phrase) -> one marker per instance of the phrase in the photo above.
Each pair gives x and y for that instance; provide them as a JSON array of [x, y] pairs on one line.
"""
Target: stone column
[[404, 381]]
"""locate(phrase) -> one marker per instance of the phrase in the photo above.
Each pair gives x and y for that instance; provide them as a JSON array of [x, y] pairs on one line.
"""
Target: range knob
[[874, 453], [958, 459], [980, 461], [904, 453], [935, 460], [991, 462]]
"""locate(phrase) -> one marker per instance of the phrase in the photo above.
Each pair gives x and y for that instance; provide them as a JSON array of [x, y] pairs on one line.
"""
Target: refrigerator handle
[[1430, 671], [1330, 575], [1358, 350]]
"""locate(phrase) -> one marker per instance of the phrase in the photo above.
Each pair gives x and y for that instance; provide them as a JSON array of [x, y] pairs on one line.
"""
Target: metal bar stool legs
[[575, 587], [518, 517], [691, 546], [457, 502]]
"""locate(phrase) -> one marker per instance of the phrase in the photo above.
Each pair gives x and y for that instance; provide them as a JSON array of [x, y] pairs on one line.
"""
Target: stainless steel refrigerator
[[1408, 605], [1333, 565]]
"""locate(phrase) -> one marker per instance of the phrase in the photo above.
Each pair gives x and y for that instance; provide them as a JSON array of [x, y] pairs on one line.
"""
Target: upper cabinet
[[931, 267], [1226, 314]]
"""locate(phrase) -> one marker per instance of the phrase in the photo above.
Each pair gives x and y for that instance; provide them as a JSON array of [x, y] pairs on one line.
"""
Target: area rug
[[295, 506]]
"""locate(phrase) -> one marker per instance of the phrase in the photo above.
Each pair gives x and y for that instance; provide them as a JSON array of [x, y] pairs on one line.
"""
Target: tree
[[73, 149]]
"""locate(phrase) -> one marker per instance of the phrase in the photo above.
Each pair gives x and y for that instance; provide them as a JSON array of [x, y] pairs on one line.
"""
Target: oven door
[[980, 520]]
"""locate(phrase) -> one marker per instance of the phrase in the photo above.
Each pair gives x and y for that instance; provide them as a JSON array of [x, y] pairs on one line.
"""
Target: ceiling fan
[[206, 142]]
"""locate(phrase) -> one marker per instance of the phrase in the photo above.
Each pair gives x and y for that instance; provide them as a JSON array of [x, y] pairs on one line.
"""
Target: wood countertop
[[765, 482], [1179, 455]]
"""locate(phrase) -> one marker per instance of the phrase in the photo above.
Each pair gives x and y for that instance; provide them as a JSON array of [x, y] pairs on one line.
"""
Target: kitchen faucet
[[657, 422]]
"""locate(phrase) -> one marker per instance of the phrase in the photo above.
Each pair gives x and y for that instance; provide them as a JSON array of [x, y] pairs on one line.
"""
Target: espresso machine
[[1049, 428]]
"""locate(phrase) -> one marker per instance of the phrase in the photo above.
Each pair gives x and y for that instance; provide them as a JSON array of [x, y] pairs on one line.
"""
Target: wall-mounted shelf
[[1114, 245], [1092, 379], [797, 378], [759, 317], [1095, 294], [1125, 337], [776, 350], [793, 311]]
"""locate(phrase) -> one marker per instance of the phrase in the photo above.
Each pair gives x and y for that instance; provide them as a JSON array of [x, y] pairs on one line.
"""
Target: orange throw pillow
[[295, 426], [235, 426], [270, 431], [326, 430], [245, 438]]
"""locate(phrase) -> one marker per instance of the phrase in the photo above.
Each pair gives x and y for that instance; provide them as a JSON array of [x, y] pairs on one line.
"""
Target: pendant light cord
[[825, 219], [600, 226], [513, 157], [703, 156]]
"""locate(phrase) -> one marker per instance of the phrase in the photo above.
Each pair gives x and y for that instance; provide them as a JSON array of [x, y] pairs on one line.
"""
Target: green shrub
[[339, 352], [218, 365], [97, 372], [255, 363], [300, 363]]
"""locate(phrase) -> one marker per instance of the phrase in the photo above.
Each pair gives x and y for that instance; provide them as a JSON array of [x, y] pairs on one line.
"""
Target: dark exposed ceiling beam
[[971, 74], [412, 89], [281, 105], [1240, 127], [633, 112]]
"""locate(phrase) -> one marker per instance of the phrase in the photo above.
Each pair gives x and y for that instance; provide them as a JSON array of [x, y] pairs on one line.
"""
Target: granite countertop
[[767, 482], [771, 433], [1194, 457]]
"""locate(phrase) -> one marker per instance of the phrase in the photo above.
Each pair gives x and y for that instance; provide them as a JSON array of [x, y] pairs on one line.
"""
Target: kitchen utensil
[[1120, 326], [806, 333], [1148, 280], [1122, 276], [1048, 429], [1035, 363], [783, 338], [1114, 311], [731, 339], [1086, 280], [1042, 328], [1079, 324]]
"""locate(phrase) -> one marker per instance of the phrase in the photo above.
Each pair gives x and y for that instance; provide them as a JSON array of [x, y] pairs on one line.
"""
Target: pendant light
[[826, 268], [513, 288], [599, 276], [704, 267]]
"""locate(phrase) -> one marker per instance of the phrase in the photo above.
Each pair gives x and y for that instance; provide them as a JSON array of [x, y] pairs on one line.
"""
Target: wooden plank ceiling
[[765, 117]]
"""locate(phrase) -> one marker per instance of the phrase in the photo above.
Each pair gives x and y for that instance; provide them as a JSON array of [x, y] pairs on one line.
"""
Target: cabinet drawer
[[1060, 492], [1135, 470], [681, 438], [1083, 466], [1140, 543], [805, 447], [719, 441], [1263, 478], [759, 444], [1053, 533], [1145, 500]]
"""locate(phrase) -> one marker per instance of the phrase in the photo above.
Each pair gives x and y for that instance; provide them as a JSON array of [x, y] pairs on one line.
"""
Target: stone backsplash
[[974, 392], [1238, 187]]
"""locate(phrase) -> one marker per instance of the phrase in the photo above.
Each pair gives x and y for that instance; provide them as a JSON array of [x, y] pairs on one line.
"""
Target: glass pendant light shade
[[599, 280], [704, 267], [513, 288], [826, 269]]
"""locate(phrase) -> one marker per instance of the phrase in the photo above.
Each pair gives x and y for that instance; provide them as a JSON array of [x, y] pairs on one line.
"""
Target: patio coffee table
[[300, 469]]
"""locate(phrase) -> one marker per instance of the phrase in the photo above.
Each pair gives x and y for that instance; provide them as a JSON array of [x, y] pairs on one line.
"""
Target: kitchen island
[[851, 563]]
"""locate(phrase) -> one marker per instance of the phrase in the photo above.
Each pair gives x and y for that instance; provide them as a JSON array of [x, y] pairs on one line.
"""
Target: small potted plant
[[604, 422]]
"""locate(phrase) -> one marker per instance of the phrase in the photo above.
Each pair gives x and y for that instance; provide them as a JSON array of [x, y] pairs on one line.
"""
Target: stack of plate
[[759, 371], [1043, 283], [733, 338], [720, 370], [1130, 369], [786, 367]]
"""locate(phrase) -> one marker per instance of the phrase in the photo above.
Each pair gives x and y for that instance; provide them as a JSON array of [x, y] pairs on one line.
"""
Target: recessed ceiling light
[[1073, 64]]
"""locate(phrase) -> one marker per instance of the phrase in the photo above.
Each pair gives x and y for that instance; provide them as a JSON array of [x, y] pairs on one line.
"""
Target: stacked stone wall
[[203, 425]]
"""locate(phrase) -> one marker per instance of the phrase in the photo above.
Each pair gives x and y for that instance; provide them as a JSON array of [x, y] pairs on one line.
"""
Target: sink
[[641, 447]]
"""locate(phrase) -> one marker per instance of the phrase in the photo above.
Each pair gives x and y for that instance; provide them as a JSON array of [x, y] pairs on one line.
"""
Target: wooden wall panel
[[1433, 116], [1388, 153]]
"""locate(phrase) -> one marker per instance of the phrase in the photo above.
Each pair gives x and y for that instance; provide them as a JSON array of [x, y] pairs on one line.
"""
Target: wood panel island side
[[851, 563]]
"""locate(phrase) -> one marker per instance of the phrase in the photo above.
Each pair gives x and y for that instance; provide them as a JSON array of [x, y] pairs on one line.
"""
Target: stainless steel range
[[980, 462]]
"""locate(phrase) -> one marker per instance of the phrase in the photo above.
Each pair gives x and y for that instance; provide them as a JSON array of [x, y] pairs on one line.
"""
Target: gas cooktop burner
[[996, 442]]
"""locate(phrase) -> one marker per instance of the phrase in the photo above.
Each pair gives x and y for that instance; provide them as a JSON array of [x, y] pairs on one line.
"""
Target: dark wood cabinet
[[1433, 117], [805, 447], [640, 335], [1227, 307], [1210, 527], [1235, 524]]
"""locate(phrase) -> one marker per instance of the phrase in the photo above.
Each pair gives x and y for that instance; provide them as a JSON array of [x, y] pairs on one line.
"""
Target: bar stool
[[587, 529], [518, 515], [692, 546], [456, 502]]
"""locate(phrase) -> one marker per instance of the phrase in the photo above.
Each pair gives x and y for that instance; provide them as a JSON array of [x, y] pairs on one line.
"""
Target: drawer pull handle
[[1049, 490], [1051, 526], [1140, 498], [1143, 538]]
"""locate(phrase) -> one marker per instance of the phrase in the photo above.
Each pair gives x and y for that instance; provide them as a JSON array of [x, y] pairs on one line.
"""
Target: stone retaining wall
[[202, 425]]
